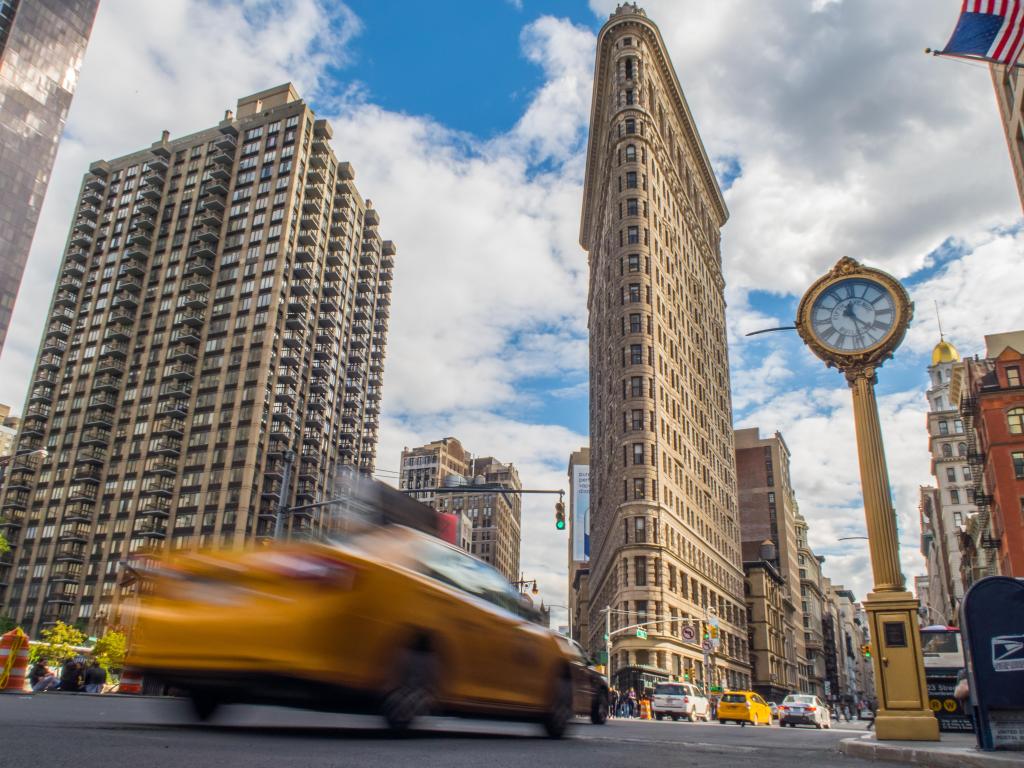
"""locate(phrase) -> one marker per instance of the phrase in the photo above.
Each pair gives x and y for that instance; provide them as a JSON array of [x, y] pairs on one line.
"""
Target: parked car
[[391, 621], [680, 700], [804, 709], [744, 707], [775, 710]]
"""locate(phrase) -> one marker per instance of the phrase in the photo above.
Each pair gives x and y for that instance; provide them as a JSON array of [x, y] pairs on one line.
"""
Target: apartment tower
[[219, 324], [665, 538], [42, 44], [484, 518]]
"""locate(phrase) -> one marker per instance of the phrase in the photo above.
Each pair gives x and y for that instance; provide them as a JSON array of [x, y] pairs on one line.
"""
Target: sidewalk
[[955, 750]]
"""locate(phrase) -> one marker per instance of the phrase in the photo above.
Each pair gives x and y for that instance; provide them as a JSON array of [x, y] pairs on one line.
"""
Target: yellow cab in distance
[[744, 707], [390, 621]]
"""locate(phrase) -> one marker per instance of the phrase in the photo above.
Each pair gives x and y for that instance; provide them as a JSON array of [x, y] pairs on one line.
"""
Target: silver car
[[804, 709], [680, 700]]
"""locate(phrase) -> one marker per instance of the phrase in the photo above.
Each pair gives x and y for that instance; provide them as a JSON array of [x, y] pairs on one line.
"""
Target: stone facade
[[221, 308], [665, 543]]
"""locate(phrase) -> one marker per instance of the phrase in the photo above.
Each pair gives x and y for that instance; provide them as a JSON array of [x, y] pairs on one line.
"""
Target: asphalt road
[[57, 730]]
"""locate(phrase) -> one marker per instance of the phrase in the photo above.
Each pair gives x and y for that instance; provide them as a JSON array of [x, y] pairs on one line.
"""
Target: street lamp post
[[853, 318]]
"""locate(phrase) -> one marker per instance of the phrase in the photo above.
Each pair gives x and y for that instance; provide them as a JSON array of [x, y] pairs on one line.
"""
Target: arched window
[[947, 450], [961, 449], [630, 153], [1015, 418]]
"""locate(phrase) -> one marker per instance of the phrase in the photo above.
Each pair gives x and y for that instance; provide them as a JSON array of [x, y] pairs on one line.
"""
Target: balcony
[[179, 390], [159, 486], [74, 270], [87, 473], [69, 572], [34, 425], [226, 143], [315, 176], [45, 377], [91, 455], [62, 593], [154, 178], [287, 374], [206, 234], [214, 188], [301, 271], [144, 222], [198, 266], [162, 466], [179, 371], [193, 300], [103, 401], [17, 500], [156, 506], [110, 365], [285, 394], [82, 493], [313, 205], [134, 266], [114, 348], [220, 169], [301, 287], [148, 206], [96, 437], [151, 191], [98, 418], [125, 299], [152, 530], [62, 314], [158, 163], [129, 283], [170, 446], [309, 237], [185, 335], [190, 317], [304, 257], [290, 356], [65, 298], [50, 361], [70, 552], [184, 352], [41, 395], [169, 426], [81, 239]]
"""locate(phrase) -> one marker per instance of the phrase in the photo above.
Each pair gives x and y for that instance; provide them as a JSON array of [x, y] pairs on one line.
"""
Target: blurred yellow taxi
[[391, 621], [743, 707]]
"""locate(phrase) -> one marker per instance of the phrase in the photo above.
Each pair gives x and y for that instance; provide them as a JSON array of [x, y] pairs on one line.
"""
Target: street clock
[[854, 316]]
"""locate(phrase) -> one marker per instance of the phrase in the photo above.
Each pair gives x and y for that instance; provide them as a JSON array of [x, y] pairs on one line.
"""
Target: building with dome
[[948, 505]]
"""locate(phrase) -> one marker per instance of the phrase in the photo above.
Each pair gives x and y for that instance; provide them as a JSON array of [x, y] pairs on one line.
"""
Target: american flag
[[989, 29]]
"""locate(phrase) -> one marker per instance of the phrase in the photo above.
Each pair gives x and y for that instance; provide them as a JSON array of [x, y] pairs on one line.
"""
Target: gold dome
[[945, 352]]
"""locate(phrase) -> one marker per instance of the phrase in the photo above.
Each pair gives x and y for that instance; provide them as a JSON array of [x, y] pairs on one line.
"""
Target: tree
[[58, 644], [4, 546], [110, 649]]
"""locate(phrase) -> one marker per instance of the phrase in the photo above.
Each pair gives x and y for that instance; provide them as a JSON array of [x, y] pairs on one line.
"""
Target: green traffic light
[[560, 525]]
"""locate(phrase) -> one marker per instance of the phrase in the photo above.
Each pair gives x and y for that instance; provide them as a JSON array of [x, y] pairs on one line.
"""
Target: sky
[[833, 135]]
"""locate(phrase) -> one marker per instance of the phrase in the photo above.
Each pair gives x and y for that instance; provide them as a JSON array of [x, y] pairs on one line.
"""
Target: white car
[[680, 700], [804, 709]]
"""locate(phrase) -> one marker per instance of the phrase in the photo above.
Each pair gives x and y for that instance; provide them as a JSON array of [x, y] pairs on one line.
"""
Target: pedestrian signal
[[865, 651], [559, 515]]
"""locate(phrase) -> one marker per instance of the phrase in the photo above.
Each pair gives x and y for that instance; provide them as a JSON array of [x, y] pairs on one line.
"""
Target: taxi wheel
[[556, 719], [599, 708], [692, 717], [413, 694], [203, 704]]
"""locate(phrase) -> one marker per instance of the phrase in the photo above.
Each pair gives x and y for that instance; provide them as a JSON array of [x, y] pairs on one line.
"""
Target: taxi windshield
[[734, 698]]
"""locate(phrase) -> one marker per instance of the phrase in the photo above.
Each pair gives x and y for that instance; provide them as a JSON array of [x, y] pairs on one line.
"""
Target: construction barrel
[[13, 661]]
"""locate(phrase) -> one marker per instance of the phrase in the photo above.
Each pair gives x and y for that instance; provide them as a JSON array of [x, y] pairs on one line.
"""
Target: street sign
[[706, 645], [641, 633], [689, 635]]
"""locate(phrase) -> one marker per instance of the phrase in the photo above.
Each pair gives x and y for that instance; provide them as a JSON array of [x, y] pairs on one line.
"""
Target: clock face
[[853, 315]]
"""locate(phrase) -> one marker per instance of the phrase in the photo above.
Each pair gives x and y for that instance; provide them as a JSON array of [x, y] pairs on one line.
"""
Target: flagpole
[[979, 59]]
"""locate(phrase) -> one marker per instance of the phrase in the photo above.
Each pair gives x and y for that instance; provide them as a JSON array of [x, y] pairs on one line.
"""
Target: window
[[634, 262], [954, 496], [636, 386], [640, 572], [640, 529], [631, 180], [943, 427], [635, 324], [630, 125], [632, 235], [1018, 464], [637, 419], [638, 453], [634, 293], [630, 153], [638, 488], [1013, 376], [947, 450], [1015, 419], [961, 449], [636, 354], [632, 207], [951, 474]]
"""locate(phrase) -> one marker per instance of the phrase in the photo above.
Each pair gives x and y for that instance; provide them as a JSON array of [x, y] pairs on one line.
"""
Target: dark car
[[590, 689]]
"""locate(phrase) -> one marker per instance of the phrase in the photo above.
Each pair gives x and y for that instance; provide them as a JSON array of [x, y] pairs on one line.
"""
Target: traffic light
[[712, 632], [866, 651], [559, 515]]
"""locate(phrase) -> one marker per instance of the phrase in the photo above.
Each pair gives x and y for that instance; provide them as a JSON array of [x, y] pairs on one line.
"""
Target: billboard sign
[[581, 512]]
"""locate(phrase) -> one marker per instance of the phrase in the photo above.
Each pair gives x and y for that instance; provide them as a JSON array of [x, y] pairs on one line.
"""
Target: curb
[[931, 756]]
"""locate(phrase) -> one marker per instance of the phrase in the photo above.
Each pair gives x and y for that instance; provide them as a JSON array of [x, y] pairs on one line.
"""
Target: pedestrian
[[42, 678], [846, 712], [632, 705], [871, 721], [95, 678], [71, 676]]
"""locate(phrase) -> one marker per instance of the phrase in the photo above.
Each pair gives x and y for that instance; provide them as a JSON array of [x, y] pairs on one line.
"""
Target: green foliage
[[7, 623], [110, 649], [4, 546], [58, 644]]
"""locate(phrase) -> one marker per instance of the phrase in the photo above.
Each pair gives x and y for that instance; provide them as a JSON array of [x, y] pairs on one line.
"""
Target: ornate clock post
[[853, 318]]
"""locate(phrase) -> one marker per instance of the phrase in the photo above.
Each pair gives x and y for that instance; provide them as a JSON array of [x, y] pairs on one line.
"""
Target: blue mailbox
[[992, 622]]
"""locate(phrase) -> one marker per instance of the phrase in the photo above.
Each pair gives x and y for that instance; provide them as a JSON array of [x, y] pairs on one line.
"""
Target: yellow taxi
[[391, 621], [742, 707]]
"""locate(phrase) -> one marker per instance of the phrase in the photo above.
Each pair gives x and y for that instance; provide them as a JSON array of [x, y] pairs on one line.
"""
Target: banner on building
[[581, 512]]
